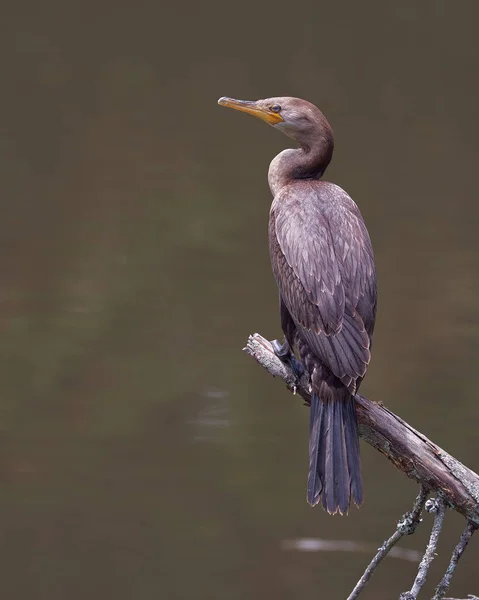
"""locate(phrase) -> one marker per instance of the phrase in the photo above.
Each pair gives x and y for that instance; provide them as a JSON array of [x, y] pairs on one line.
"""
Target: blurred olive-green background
[[142, 455]]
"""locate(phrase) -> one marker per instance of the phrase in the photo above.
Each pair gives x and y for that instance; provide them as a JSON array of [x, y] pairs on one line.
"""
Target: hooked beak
[[252, 108]]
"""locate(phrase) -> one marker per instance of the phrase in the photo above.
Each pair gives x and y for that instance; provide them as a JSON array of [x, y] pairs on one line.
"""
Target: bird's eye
[[275, 108]]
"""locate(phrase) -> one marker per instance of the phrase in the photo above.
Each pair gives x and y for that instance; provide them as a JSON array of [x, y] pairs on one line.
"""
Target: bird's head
[[298, 119]]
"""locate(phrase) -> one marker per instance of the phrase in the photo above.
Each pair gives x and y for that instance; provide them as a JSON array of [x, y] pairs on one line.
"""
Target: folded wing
[[323, 263]]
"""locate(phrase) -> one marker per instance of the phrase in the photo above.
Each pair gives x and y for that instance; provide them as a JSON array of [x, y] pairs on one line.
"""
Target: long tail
[[334, 460]]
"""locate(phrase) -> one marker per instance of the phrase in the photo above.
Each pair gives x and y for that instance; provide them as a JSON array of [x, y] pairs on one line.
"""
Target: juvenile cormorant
[[323, 263]]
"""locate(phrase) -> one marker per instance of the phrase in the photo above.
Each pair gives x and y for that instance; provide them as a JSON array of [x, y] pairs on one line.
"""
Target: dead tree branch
[[409, 450], [439, 507], [456, 555]]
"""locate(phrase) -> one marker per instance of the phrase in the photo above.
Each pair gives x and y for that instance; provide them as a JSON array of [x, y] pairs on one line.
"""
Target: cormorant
[[323, 263]]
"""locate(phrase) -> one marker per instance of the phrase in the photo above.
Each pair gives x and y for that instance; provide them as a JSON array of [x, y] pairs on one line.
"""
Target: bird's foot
[[284, 353]]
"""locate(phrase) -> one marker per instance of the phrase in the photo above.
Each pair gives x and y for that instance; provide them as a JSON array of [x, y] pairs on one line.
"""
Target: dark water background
[[142, 455]]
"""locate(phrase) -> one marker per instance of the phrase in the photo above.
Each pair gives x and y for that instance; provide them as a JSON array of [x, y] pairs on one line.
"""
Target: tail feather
[[334, 461], [353, 455], [330, 491], [315, 424], [341, 475]]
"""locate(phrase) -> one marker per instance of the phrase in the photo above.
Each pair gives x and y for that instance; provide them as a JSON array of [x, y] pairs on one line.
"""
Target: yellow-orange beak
[[252, 108]]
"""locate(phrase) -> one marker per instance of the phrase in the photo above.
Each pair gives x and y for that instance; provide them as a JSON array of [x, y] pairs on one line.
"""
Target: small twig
[[439, 507], [406, 526], [456, 555], [470, 597]]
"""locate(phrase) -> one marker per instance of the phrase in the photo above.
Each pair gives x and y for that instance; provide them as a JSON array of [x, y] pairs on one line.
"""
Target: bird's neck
[[299, 164]]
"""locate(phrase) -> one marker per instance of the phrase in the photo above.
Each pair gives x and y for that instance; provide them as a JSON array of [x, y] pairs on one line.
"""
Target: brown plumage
[[323, 263]]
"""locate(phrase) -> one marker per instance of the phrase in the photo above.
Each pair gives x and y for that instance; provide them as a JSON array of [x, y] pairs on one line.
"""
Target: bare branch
[[439, 507], [456, 555], [414, 454], [408, 449], [470, 597], [406, 526]]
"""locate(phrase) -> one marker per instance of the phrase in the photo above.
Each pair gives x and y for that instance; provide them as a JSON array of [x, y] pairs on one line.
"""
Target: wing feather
[[323, 263]]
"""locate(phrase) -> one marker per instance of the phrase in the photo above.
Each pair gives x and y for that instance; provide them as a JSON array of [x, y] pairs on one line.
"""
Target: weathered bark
[[409, 450]]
